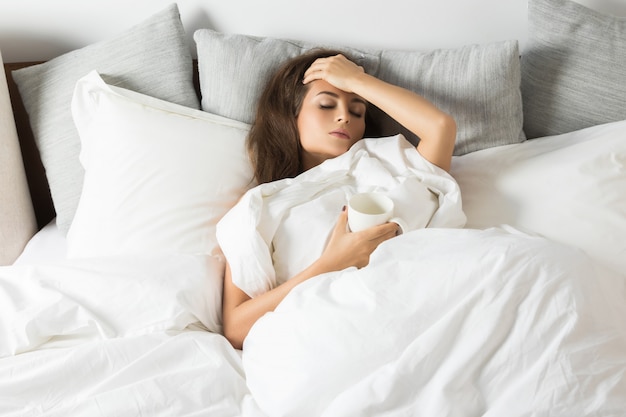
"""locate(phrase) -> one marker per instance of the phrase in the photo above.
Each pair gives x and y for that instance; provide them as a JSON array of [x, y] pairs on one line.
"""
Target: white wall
[[42, 29]]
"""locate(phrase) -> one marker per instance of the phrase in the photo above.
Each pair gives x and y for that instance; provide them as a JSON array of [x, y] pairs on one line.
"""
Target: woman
[[313, 109]]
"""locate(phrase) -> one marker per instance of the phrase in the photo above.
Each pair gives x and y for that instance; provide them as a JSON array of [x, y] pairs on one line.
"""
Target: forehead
[[321, 88]]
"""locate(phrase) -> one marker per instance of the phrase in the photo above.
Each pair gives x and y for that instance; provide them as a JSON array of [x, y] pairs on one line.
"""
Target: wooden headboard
[[35, 172]]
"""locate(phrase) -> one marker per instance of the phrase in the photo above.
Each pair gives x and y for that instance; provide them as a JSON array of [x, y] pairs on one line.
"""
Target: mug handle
[[402, 225]]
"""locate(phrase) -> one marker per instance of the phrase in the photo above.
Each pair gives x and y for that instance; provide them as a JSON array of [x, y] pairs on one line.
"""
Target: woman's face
[[330, 122]]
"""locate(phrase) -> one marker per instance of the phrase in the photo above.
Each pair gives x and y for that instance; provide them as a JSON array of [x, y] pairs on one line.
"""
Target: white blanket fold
[[109, 297], [278, 229], [186, 374], [123, 336]]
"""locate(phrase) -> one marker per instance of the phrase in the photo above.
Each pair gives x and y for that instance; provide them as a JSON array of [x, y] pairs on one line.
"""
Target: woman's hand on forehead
[[336, 70]]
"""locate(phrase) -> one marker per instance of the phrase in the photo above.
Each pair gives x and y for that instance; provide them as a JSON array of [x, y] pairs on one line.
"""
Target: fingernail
[[343, 208]]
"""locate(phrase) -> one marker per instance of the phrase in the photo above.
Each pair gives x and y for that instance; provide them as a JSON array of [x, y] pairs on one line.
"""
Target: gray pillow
[[152, 58], [478, 85], [574, 68], [233, 69]]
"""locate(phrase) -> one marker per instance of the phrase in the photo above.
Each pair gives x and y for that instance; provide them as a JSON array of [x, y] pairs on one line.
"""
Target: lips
[[340, 133]]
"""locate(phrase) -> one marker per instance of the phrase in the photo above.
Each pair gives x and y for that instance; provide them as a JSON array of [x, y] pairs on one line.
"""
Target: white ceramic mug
[[366, 210]]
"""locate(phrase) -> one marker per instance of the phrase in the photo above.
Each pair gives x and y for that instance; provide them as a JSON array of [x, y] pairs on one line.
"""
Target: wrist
[[360, 82], [321, 266]]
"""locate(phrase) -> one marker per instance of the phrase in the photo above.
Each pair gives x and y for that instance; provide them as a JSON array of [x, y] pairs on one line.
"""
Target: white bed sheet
[[569, 188], [121, 336], [186, 373]]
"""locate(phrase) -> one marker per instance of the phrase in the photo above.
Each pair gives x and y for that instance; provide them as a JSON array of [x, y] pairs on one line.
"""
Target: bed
[[121, 162]]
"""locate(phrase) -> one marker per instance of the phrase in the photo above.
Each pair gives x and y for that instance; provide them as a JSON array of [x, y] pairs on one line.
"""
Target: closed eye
[[356, 113]]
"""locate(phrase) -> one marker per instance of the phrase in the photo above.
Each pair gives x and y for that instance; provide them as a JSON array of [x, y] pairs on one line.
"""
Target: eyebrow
[[335, 95]]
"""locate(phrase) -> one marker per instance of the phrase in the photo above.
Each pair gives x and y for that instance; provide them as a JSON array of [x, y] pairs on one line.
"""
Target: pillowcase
[[17, 217], [574, 68], [568, 188], [152, 57], [479, 85], [158, 176]]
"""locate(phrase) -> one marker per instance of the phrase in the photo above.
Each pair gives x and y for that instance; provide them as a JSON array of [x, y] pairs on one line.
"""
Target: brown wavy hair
[[274, 142]]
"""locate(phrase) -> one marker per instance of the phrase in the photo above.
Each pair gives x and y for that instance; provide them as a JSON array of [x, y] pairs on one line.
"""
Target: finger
[[319, 68], [342, 221], [317, 64], [381, 232], [312, 74], [311, 77], [374, 243]]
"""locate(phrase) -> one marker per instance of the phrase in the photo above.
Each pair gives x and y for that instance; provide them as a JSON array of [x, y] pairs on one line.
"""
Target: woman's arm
[[344, 249], [435, 128]]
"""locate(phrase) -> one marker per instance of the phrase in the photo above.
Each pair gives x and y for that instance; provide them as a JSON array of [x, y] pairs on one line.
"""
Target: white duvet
[[447, 322], [442, 322]]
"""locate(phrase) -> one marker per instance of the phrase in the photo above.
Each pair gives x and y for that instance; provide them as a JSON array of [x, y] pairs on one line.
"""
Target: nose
[[343, 116]]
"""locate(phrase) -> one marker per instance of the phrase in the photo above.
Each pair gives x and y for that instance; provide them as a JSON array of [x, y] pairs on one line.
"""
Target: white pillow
[[569, 188], [151, 57], [158, 176]]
